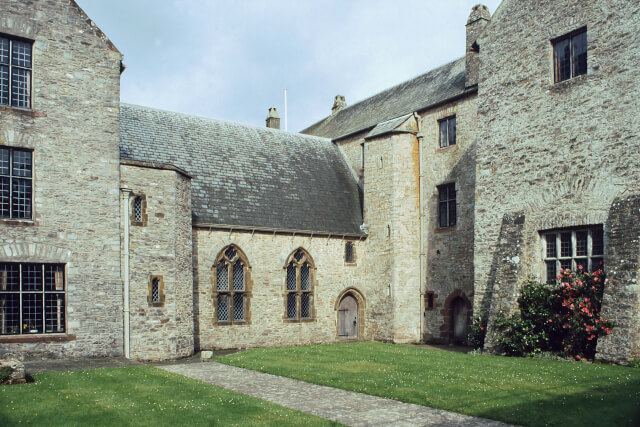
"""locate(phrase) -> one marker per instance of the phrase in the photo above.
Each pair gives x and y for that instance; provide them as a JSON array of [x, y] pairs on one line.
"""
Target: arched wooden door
[[348, 317], [460, 320]]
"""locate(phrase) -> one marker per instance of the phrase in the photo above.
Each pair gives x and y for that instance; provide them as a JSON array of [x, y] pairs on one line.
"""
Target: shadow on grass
[[605, 406]]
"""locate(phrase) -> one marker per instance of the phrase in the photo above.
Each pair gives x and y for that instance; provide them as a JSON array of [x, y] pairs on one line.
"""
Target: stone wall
[[557, 153], [72, 129], [267, 254], [449, 251], [160, 248]]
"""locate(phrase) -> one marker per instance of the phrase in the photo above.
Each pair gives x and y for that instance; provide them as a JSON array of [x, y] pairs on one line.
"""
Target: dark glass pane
[[452, 131], [238, 307], [291, 277], [582, 262], [551, 246], [54, 313], [443, 133], [4, 50], [552, 271], [348, 252], [9, 277], [222, 275], [565, 263], [223, 308], [596, 264], [4, 84], [21, 198], [305, 279], [443, 193], [21, 163], [20, 87], [21, 54], [238, 276], [31, 313], [596, 242], [562, 60], [10, 314], [5, 194], [443, 215], [292, 308], [565, 244], [230, 253], [581, 243], [155, 290], [305, 306], [579, 42], [54, 277], [4, 161], [31, 277], [298, 255], [452, 213], [137, 209]]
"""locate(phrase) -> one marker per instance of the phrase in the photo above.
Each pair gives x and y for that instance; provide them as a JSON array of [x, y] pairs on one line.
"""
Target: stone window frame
[[159, 301], [446, 141], [446, 201], [8, 179], [353, 260], [223, 257], [429, 300], [9, 42], [298, 259], [52, 285], [141, 220], [565, 250], [570, 37]]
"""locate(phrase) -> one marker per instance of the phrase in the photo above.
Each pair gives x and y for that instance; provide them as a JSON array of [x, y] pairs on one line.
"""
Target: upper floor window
[[447, 131], [572, 249], [32, 298], [349, 253], [447, 205], [16, 183], [231, 286], [299, 290], [139, 210], [15, 72], [570, 55]]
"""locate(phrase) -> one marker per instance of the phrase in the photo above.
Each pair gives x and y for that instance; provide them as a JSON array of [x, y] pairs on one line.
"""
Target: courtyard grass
[[136, 396], [532, 392]]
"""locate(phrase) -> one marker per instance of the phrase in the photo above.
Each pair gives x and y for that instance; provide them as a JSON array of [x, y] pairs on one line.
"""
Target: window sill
[[18, 222], [445, 229], [310, 320], [447, 148], [566, 84], [36, 338], [25, 111], [350, 264], [234, 323]]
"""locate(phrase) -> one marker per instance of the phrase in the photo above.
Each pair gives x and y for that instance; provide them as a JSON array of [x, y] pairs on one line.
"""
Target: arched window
[[299, 289], [231, 286]]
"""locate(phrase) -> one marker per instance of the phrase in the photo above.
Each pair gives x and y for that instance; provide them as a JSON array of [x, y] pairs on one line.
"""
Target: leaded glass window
[[570, 55], [32, 298], [349, 253], [231, 295], [299, 286], [572, 249], [16, 180], [15, 72], [139, 215]]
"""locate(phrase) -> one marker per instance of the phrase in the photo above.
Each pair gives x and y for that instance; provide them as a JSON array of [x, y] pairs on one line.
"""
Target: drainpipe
[[420, 137], [126, 195]]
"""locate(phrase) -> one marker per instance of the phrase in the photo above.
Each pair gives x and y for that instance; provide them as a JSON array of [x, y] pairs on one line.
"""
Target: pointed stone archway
[[457, 314], [349, 308]]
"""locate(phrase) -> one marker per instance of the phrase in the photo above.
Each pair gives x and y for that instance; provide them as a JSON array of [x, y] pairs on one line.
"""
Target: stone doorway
[[460, 320], [349, 308], [456, 315]]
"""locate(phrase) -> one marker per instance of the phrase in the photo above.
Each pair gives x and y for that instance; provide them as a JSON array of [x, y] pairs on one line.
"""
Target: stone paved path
[[354, 409]]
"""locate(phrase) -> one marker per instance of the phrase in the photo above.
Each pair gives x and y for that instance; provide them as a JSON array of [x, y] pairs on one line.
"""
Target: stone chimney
[[338, 104], [273, 119], [478, 20]]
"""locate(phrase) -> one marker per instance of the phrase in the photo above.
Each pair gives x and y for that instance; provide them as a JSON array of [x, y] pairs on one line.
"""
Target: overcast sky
[[232, 60]]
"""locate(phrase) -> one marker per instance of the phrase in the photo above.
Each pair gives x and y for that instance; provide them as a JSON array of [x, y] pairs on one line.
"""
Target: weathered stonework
[[76, 82]]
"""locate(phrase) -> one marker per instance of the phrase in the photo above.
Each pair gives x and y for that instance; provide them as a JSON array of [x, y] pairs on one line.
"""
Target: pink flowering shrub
[[563, 317]]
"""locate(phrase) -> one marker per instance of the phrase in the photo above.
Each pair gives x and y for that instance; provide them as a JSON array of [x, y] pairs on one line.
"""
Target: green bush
[[563, 317], [5, 371], [478, 331]]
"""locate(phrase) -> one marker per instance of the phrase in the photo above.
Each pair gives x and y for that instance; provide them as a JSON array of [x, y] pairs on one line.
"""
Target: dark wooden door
[[348, 317], [460, 320]]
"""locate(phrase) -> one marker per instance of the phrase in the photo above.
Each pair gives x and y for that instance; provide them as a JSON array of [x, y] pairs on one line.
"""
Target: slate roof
[[248, 176], [388, 126], [416, 94]]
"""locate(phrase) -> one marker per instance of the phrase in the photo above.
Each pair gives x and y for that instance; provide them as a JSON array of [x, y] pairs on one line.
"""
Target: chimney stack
[[338, 104], [273, 119], [478, 20]]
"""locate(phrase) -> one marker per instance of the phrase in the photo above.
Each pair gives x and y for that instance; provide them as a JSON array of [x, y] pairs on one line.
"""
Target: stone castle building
[[126, 230]]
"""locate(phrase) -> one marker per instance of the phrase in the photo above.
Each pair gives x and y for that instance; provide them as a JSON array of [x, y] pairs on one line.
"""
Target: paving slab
[[346, 407]]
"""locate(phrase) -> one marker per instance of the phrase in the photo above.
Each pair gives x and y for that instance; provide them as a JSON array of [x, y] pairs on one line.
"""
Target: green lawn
[[136, 396], [516, 390]]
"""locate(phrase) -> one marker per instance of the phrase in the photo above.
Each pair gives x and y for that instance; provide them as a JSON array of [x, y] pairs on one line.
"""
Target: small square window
[[570, 55], [447, 131], [429, 300]]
